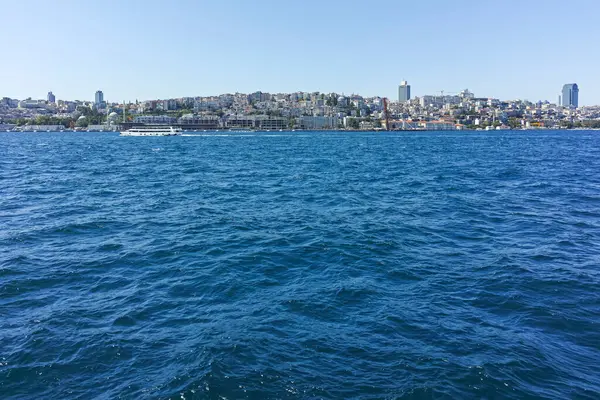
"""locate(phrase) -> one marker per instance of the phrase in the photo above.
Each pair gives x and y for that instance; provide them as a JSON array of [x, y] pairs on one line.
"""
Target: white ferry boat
[[152, 131]]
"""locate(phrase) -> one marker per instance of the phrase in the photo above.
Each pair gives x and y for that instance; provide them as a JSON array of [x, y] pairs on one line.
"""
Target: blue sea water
[[413, 265]]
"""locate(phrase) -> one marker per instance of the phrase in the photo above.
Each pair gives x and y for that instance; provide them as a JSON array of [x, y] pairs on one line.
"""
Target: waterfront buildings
[[570, 95], [200, 121], [155, 119], [256, 122], [313, 110], [403, 92], [440, 125], [317, 122]]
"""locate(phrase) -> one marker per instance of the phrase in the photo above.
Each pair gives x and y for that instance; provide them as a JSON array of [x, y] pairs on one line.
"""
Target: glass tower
[[404, 92], [99, 97], [570, 95]]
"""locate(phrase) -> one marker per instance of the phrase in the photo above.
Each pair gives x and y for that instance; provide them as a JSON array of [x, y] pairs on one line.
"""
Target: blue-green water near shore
[[417, 265]]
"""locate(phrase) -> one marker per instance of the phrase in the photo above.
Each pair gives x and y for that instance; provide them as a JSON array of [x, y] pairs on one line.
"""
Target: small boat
[[152, 131]]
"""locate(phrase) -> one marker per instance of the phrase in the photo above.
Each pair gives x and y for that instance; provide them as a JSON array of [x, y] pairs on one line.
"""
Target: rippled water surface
[[300, 265]]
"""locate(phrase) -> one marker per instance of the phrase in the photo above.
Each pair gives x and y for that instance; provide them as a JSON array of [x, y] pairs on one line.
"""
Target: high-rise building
[[404, 92], [51, 98], [570, 95], [99, 99]]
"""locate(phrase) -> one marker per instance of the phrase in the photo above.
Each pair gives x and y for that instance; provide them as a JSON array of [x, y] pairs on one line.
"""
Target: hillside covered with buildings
[[302, 110]]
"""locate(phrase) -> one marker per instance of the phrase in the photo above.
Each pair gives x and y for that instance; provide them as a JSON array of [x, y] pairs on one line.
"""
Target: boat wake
[[237, 135]]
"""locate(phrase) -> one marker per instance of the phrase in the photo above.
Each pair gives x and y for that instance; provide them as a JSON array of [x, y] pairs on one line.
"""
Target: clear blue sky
[[134, 49]]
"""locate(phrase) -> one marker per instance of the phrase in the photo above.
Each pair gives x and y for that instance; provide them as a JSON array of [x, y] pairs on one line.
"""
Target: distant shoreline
[[311, 130]]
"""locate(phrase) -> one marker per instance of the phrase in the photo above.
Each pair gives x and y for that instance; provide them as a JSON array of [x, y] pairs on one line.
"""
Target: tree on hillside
[[354, 124]]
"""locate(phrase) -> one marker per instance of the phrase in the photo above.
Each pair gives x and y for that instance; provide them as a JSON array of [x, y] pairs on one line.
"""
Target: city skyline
[[403, 94], [570, 91], [303, 110], [343, 47]]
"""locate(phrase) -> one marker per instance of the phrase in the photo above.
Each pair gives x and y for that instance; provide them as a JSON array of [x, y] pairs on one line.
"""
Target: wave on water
[[322, 265]]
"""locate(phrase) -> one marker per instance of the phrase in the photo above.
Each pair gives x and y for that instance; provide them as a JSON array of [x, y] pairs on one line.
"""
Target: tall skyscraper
[[570, 95], [403, 92], [99, 98], [51, 98]]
